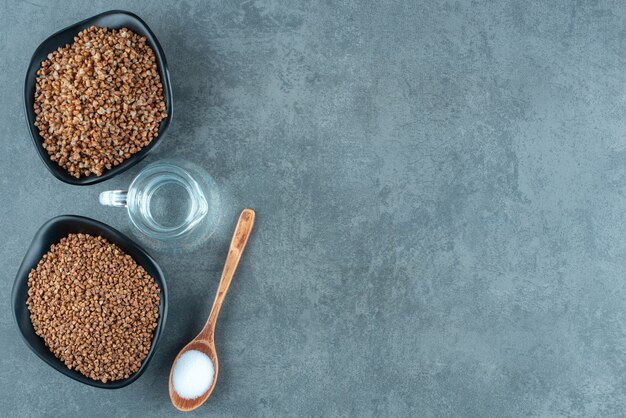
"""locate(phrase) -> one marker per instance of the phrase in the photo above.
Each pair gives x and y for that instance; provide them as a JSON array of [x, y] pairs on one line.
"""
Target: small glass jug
[[172, 204]]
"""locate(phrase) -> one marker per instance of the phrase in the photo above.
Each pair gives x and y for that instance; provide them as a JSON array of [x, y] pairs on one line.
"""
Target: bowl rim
[[22, 275], [161, 62]]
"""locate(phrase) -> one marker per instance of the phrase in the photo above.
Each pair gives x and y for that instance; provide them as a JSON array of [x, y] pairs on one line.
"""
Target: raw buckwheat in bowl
[[90, 302], [98, 97]]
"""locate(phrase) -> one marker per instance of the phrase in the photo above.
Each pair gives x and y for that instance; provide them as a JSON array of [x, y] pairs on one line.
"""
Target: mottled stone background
[[440, 189]]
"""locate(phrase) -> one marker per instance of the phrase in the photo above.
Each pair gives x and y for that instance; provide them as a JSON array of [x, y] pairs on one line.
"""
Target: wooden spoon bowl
[[207, 348], [205, 341]]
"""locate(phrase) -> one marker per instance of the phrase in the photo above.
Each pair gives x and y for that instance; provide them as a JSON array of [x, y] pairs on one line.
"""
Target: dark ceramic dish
[[51, 233], [113, 20]]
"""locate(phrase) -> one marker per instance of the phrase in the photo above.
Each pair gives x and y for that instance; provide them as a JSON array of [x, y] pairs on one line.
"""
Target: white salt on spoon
[[193, 374]]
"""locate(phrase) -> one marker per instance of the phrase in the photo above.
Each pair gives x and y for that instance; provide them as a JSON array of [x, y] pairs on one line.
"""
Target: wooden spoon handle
[[237, 245]]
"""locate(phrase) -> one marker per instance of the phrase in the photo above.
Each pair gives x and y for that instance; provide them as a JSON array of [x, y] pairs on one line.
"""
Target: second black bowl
[[113, 19], [51, 233]]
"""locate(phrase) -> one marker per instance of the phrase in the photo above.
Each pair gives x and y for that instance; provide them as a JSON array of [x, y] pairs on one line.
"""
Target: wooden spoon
[[205, 342]]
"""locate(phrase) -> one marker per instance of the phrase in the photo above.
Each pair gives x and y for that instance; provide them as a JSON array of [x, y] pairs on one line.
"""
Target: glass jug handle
[[116, 198]]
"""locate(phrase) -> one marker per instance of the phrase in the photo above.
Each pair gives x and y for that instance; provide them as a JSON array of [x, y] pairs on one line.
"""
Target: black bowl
[[113, 19], [51, 233]]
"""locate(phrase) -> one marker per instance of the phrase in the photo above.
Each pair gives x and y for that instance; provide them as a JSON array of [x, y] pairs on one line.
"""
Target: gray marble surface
[[440, 207]]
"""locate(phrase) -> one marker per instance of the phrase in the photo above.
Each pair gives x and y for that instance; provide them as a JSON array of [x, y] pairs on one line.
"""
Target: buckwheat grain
[[98, 100], [94, 306]]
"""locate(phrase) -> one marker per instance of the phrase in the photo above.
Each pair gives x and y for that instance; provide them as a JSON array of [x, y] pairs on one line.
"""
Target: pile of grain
[[98, 100], [94, 306]]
